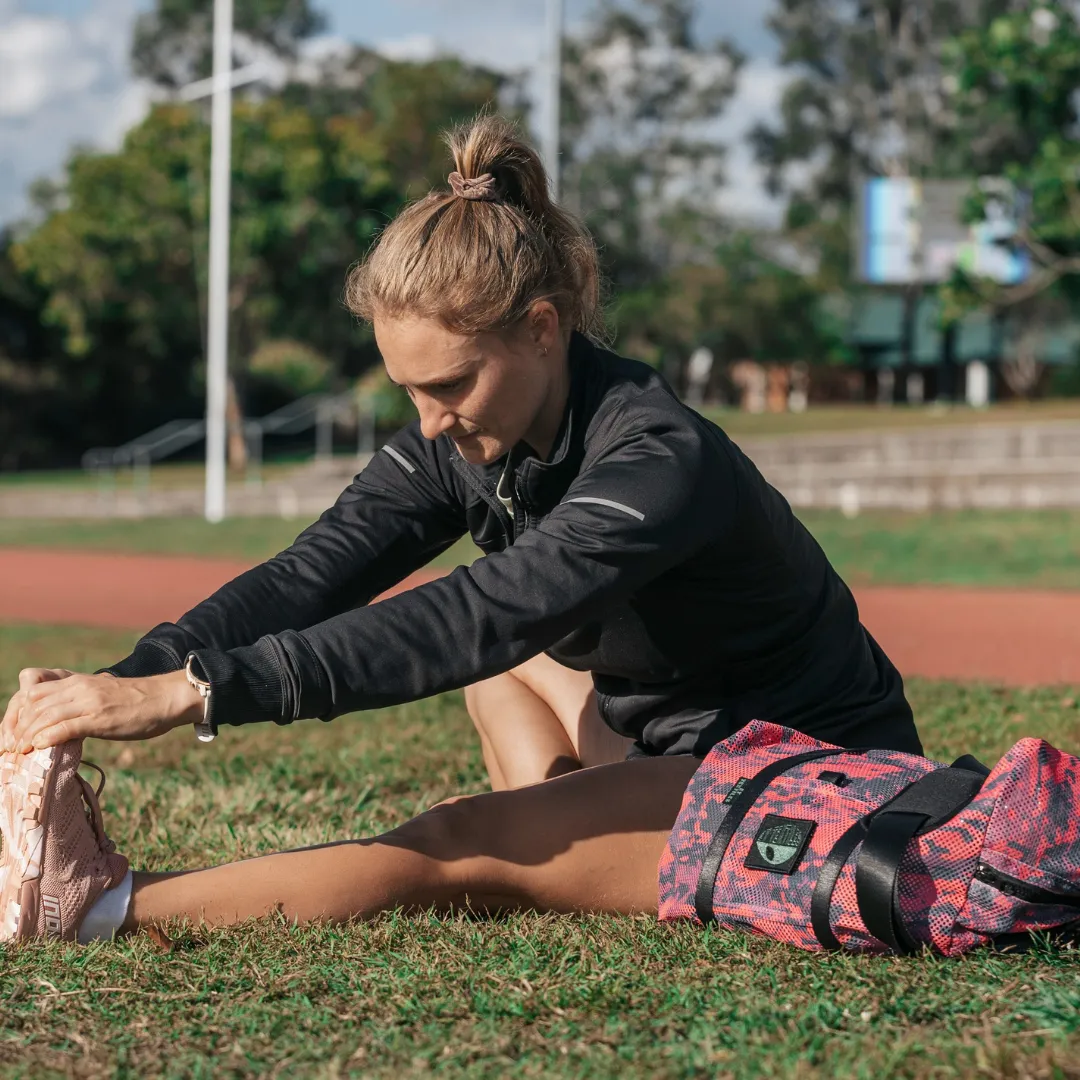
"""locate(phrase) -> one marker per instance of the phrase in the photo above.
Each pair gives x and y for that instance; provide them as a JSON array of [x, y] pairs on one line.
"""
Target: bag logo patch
[[779, 844]]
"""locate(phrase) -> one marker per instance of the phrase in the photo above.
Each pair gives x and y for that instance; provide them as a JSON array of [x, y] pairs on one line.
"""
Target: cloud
[[418, 47], [41, 62], [65, 82]]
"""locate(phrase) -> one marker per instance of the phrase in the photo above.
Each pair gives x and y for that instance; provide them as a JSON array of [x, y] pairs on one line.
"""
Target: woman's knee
[[480, 696], [461, 827]]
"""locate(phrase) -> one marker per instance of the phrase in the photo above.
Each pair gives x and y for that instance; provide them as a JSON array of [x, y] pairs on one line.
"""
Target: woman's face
[[486, 391]]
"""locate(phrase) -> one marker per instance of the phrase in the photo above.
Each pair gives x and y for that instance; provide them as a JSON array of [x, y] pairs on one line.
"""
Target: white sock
[[107, 913]]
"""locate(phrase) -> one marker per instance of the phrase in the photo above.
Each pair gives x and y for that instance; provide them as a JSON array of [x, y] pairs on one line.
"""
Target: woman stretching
[[644, 593]]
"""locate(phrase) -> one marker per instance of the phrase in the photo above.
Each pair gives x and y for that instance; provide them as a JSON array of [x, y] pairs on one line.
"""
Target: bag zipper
[[1023, 890]]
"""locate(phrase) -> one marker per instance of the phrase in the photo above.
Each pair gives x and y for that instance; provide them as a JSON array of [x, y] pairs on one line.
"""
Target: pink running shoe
[[57, 859]]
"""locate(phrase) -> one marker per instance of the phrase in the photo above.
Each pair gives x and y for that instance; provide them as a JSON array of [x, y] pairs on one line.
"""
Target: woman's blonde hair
[[477, 257]]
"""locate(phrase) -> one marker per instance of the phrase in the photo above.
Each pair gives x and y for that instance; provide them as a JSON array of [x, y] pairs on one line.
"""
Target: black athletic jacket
[[647, 550]]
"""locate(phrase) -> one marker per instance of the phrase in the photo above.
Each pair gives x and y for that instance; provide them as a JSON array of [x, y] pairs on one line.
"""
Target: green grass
[[169, 475], [1025, 549], [859, 417], [984, 547], [250, 539], [518, 996]]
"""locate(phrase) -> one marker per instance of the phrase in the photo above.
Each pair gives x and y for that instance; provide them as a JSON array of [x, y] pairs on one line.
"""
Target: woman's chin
[[479, 449]]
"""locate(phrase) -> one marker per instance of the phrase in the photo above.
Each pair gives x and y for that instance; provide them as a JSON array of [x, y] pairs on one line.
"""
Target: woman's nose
[[435, 419]]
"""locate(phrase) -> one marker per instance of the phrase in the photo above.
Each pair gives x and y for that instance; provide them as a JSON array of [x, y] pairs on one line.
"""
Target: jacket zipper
[[1022, 890], [505, 519]]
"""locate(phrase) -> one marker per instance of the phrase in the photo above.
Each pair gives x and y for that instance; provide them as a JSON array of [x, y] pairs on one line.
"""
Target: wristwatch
[[204, 729]]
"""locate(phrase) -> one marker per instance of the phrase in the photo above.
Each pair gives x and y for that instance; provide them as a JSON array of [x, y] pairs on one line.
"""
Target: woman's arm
[[653, 499], [388, 522]]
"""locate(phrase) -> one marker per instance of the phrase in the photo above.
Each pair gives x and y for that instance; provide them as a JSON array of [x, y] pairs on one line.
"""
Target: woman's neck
[[544, 429]]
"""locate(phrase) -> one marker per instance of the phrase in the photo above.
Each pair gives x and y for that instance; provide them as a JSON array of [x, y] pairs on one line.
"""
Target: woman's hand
[[63, 706]]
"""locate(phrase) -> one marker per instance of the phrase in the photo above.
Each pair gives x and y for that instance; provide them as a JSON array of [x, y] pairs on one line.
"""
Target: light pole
[[554, 79], [217, 329]]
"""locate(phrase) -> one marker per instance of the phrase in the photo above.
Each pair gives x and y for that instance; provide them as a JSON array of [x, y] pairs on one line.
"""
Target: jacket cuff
[[149, 657], [245, 684]]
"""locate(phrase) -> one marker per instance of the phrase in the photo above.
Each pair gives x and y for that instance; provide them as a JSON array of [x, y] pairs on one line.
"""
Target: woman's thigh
[[571, 697], [587, 841]]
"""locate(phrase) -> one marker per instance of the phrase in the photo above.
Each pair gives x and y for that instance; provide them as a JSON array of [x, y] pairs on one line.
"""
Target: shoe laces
[[90, 797]]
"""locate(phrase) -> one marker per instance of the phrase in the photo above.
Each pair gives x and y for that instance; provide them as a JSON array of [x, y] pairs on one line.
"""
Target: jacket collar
[[543, 483]]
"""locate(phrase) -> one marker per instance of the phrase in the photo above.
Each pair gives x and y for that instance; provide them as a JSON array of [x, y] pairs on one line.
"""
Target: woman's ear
[[544, 325]]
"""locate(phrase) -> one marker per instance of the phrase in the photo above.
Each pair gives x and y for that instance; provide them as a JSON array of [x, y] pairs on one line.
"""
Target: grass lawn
[[981, 547], [250, 539], [167, 475], [519, 996], [1025, 549], [859, 417]]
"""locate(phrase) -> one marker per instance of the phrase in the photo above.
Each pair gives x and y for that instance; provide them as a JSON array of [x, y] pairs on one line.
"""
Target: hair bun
[[478, 189]]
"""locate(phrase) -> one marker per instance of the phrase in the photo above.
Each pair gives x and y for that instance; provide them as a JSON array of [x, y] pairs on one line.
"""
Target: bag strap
[[922, 806], [751, 792], [821, 901], [972, 763], [877, 878]]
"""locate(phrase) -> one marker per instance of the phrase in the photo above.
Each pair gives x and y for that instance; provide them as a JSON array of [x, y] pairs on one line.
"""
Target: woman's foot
[[57, 860]]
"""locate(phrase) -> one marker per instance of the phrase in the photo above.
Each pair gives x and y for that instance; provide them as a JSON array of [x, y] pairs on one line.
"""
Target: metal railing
[[318, 411]]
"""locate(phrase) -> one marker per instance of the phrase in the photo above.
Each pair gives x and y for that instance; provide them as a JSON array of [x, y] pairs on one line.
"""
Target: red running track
[[1008, 636]]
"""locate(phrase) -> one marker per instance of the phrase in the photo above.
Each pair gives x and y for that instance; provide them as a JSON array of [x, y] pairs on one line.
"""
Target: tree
[[407, 106], [1016, 82], [173, 43], [34, 404], [745, 304], [637, 159], [122, 266], [869, 96], [1018, 76]]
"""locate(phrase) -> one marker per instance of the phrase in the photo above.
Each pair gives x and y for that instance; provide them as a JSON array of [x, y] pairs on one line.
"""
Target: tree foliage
[[122, 259], [118, 261], [744, 304], [1018, 77], [638, 159], [173, 43]]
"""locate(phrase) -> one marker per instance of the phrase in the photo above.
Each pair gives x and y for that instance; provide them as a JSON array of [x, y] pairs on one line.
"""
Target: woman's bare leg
[[539, 721], [586, 841]]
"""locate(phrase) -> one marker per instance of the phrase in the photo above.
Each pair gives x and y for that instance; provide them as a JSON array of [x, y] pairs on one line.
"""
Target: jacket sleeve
[[396, 515], [629, 516]]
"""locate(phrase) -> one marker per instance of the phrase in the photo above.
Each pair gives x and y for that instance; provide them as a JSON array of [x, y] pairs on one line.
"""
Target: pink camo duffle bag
[[875, 850]]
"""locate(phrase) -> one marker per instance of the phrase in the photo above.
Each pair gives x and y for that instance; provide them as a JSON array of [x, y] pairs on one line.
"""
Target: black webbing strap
[[754, 789], [928, 803], [821, 901], [877, 877], [971, 763]]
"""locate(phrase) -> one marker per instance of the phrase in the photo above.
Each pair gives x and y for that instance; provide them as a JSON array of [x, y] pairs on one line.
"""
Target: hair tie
[[479, 189]]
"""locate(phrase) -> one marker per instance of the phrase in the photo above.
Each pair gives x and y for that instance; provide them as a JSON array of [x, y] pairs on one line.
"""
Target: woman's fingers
[[28, 678], [11, 717], [52, 707], [31, 676]]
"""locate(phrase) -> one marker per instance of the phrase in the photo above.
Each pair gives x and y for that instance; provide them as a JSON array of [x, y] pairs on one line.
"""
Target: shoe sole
[[26, 782]]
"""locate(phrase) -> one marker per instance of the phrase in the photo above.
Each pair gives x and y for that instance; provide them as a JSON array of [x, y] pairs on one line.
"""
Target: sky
[[64, 78]]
